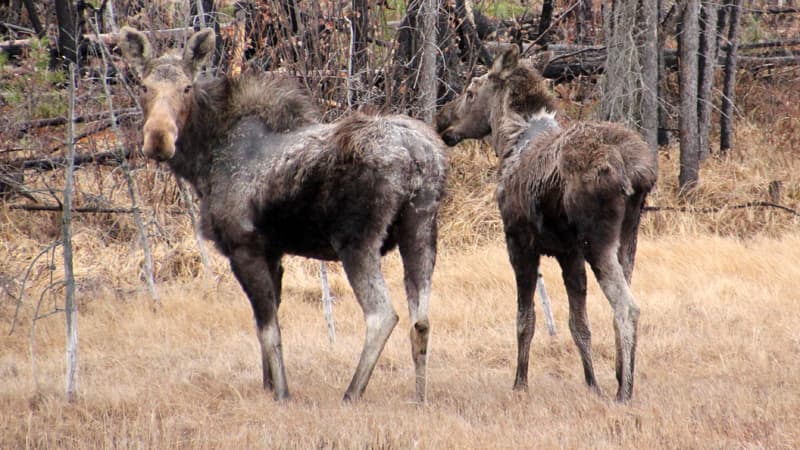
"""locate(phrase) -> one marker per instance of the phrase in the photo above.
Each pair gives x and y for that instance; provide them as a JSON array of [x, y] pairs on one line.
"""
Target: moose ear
[[135, 48], [506, 63], [199, 50]]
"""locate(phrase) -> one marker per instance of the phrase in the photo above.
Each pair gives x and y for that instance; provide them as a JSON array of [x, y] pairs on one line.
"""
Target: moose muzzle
[[159, 139]]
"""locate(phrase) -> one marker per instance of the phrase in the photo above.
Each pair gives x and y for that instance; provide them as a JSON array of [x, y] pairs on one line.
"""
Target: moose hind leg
[[525, 263], [363, 270], [611, 277], [417, 242], [573, 271], [260, 280]]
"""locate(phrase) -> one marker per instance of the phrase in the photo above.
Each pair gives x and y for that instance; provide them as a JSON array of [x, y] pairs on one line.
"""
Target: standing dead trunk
[[687, 72], [68, 32], [648, 41], [70, 309], [414, 76], [706, 65], [34, 18], [630, 81], [726, 115], [427, 76], [357, 17], [360, 21], [663, 134], [544, 21]]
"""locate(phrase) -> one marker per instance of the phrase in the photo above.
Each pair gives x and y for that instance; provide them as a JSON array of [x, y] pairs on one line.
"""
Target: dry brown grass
[[718, 360]]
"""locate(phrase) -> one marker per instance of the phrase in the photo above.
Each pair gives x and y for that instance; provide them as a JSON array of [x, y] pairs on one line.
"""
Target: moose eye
[[187, 89], [470, 95], [144, 89]]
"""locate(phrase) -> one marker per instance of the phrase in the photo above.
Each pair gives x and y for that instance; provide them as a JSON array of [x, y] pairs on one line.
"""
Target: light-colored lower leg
[[379, 326], [420, 335], [626, 317], [271, 354]]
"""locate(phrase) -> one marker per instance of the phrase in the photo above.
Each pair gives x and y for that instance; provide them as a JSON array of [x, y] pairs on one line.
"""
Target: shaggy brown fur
[[274, 181], [575, 194]]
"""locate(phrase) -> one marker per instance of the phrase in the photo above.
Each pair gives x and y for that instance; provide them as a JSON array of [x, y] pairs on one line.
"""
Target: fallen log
[[17, 46], [46, 164], [24, 127], [77, 209], [570, 61]]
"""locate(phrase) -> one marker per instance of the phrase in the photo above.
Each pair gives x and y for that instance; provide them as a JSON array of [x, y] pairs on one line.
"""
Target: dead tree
[[706, 63], [545, 20], [731, 58], [687, 72], [68, 31], [69, 276], [34, 17], [360, 24], [629, 85], [427, 76]]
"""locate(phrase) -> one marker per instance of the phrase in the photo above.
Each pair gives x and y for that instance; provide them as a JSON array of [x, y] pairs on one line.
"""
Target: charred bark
[[545, 20], [69, 35], [34, 18]]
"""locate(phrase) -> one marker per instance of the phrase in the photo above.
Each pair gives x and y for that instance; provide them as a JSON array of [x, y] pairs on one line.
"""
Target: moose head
[[167, 86]]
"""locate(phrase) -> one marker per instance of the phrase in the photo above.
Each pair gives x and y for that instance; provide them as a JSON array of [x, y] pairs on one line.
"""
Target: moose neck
[[511, 131], [202, 131]]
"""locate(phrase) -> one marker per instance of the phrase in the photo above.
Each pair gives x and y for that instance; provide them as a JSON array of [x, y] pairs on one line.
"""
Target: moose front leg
[[260, 278], [525, 263]]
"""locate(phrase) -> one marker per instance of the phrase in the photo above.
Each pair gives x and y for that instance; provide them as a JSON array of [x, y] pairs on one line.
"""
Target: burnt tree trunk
[[544, 21], [726, 114], [34, 18], [687, 50], [68, 31], [707, 61]]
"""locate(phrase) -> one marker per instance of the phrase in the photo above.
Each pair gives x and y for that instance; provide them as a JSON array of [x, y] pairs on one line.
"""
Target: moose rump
[[274, 181]]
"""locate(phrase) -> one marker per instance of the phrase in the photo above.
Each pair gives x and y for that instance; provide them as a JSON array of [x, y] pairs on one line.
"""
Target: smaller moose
[[574, 193], [274, 181]]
